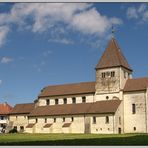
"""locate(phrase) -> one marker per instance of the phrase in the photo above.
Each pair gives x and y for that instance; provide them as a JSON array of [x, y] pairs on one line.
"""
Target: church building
[[114, 103]]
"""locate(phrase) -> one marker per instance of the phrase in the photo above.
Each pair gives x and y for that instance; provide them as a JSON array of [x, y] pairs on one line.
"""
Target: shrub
[[13, 130]]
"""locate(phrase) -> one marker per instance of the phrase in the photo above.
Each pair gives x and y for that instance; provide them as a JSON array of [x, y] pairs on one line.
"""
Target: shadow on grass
[[134, 140]]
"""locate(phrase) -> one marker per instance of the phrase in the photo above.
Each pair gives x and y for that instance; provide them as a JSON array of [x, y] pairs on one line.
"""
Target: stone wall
[[137, 120]]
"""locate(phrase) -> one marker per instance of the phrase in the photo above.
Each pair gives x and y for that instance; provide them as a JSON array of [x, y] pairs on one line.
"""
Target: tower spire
[[113, 31]]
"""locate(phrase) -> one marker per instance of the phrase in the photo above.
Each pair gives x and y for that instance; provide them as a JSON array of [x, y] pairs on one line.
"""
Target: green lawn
[[73, 139]]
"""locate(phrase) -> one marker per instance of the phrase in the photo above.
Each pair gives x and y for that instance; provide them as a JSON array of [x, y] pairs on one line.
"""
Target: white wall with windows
[[84, 98]]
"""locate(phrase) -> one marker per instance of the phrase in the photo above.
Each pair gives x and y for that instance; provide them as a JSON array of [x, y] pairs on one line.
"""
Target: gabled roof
[[113, 57], [98, 107], [68, 89], [136, 84], [5, 109], [22, 108]]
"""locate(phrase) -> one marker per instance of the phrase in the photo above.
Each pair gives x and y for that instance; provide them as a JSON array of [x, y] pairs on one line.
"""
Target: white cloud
[[1, 82], [6, 60], [46, 53], [132, 12], [3, 34], [142, 8], [78, 17], [138, 13], [61, 40]]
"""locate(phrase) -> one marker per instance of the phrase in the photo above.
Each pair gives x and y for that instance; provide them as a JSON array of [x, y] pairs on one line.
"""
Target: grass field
[[73, 139]]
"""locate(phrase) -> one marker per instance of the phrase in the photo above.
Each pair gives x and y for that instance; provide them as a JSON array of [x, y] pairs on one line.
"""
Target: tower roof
[[113, 57]]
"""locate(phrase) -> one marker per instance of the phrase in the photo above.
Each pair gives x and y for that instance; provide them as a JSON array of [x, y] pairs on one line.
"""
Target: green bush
[[13, 130]]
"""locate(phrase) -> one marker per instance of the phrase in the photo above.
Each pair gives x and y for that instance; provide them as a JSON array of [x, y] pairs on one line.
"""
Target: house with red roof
[[5, 109]]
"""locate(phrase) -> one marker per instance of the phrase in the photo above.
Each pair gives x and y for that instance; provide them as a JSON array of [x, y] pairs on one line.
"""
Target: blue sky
[[47, 44]]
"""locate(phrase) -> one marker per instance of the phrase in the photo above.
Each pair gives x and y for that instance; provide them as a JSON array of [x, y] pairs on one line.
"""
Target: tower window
[[125, 74], [133, 108], [56, 101], [54, 119], [63, 119], [134, 128], [73, 100], [103, 74], [45, 120], [112, 74], [94, 120], [65, 100], [36, 120], [83, 99], [47, 102], [107, 119]]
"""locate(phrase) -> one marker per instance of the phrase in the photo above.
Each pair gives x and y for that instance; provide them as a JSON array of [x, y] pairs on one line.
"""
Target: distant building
[[5, 109], [114, 103]]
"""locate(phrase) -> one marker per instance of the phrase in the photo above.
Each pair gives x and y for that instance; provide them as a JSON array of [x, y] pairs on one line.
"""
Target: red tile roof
[[98, 107], [113, 57], [136, 84], [5, 109], [68, 89], [22, 108]]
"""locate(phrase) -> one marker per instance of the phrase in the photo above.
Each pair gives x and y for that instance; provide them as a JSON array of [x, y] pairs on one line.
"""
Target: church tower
[[112, 72]]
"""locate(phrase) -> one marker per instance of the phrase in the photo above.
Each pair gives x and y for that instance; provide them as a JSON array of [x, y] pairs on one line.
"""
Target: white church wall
[[18, 121], [101, 127], [138, 119], [89, 98]]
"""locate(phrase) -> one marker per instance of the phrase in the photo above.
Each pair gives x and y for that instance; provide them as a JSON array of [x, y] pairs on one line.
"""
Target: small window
[[133, 108], [54, 119], [125, 74], [16, 117], [15, 127], [134, 128], [107, 97], [73, 100], [21, 128], [107, 119], [65, 100], [72, 119], [36, 120], [45, 120], [94, 120], [108, 129], [56, 101], [2, 117], [112, 74], [63, 119], [100, 129], [83, 99], [103, 74], [128, 75], [119, 120], [47, 102]]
